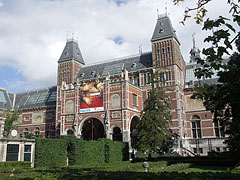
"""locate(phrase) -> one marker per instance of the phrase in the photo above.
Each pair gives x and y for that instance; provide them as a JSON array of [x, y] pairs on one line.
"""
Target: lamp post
[[89, 121], [92, 129]]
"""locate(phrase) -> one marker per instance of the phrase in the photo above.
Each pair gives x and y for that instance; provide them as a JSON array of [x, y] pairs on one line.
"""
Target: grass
[[123, 170]]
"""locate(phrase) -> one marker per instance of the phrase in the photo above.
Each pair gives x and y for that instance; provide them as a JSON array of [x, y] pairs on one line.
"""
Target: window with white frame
[[134, 99], [219, 129], [27, 153], [196, 126], [12, 152]]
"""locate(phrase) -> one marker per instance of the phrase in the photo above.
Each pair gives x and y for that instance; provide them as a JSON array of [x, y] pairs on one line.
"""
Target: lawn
[[123, 170]]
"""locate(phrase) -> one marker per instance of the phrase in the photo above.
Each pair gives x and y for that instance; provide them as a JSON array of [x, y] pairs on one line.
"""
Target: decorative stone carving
[[116, 115], [115, 101], [70, 106], [37, 117]]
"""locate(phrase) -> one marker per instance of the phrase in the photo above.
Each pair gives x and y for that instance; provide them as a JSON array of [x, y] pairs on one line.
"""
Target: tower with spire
[[168, 62], [70, 62], [194, 52]]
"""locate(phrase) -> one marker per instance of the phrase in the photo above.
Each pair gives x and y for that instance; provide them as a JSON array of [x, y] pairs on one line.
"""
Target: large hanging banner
[[91, 97]]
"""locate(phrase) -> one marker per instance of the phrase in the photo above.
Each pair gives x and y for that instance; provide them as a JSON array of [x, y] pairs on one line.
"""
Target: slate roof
[[163, 29], [5, 101], [41, 98], [115, 67], [71, 51]]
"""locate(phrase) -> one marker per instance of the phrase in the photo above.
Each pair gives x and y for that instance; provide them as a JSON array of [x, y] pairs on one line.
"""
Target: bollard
[[145, 166]]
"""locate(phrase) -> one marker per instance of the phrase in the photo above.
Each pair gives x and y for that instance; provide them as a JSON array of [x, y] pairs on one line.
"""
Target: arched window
[[196, 126], [69, 132], [25, 131], [37, 131], [117, 135]]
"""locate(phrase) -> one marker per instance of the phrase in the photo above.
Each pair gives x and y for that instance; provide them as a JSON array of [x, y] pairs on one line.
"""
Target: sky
[[33, 34]]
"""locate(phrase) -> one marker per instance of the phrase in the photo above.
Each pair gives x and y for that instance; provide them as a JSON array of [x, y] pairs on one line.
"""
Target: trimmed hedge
[[114, 151], [56, 152], [50, 153], [14, 164]]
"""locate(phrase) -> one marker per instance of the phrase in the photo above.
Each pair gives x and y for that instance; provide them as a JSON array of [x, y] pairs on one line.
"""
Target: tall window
[[134, 99], [27, 152], [157, 55], [219, 130], [196, 126], [12, 152], [37, 131], [162, 54], [25, 131], [145, 79]]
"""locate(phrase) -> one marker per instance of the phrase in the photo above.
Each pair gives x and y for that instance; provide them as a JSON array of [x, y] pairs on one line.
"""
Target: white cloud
[[33, 32]]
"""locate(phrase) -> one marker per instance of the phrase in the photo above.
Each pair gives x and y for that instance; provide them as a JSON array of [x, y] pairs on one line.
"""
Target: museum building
[[105, 99]]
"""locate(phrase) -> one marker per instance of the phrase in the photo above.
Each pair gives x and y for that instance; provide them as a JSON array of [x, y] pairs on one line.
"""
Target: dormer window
[[161, 30], [82, 75], [134, 65], [66, 53], [93, 73]]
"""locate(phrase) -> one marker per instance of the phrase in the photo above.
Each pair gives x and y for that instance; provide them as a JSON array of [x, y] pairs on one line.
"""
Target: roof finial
[[140, 49], [158, 12], [73, 35], [67, 35], [166, 8], [194, 43]]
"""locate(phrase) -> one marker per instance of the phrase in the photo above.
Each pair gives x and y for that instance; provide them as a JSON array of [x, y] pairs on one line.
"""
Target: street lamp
[[92, 126]]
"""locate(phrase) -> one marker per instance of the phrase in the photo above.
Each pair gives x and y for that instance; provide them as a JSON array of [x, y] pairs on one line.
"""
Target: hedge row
[[14, 164], [56, 152], [50, 153]]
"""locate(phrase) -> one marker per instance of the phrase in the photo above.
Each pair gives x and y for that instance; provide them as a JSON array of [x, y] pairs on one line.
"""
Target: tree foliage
[[153, 128], [223, 98], [11, 117]]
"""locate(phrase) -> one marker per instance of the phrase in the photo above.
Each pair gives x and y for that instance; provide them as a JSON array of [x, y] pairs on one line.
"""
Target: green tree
[[11, 117], [153, 128], [222, 99]]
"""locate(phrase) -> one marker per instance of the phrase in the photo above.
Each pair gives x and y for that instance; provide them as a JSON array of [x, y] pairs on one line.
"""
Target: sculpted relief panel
[[37, 117], [115, 101], [70, 106], [193, 104]]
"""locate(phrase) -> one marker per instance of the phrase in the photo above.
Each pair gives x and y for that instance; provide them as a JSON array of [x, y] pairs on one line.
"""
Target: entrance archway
[[117, 134], [133, 131], [92, 129]]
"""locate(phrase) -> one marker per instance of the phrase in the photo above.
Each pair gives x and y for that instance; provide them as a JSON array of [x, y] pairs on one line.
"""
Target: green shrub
[[55, 152], [114, 151], [50, 153], [89, 152], [14, 164]]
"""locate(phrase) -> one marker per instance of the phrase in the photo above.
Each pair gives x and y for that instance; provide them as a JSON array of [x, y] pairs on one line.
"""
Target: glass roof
[[52, 97], [32, 99], [42, 98], [23, 99], [2, 97]]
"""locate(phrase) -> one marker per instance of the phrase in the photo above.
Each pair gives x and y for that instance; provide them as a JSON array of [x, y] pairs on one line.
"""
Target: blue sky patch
[[8, 76], [118, 40], [119, 2]]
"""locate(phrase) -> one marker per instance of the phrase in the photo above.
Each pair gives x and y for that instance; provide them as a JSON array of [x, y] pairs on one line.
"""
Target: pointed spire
[[163, 29], [71, 51], [194, 43], [194, 52]]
